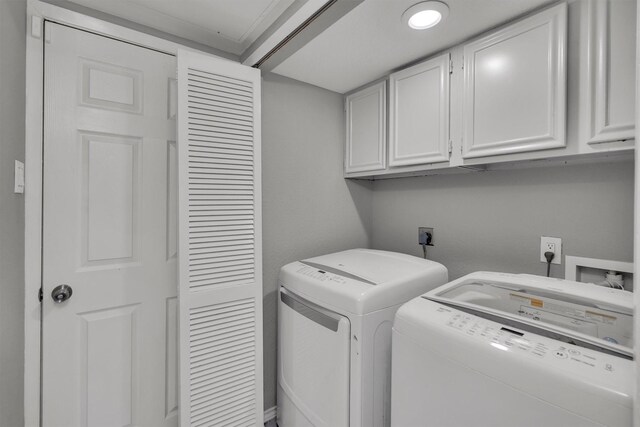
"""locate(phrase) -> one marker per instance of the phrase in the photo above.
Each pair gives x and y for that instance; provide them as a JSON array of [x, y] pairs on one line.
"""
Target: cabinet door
[[366, 129], [419, 113], [611, 29], [515, 87]]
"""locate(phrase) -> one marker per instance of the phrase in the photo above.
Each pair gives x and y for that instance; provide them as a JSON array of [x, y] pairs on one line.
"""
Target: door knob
[[61, 293]]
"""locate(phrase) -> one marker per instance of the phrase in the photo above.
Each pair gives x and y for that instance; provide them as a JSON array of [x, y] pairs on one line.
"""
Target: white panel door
[[515, 87], [220, 266], [419, 113], [366, 145], [611, 49], [109, 353]]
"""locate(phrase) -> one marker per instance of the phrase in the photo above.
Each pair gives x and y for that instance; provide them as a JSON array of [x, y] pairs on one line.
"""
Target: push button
[[560, 354]]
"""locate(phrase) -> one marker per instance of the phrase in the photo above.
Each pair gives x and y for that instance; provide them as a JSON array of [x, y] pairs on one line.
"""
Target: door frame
[[636, 230], [37, 13]]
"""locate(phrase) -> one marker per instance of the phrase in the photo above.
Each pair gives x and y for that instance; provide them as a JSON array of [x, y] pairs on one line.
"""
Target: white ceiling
[[370, 41], [364, 45], [228, 25]]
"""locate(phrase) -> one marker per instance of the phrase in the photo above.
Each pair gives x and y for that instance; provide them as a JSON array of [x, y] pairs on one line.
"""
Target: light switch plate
[[18, 186]]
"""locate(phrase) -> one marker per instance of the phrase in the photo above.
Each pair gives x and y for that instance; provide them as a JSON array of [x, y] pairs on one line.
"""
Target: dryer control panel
[[321, 275]]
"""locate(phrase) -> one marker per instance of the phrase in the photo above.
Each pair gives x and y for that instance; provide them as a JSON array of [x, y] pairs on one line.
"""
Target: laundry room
[[499, 139]]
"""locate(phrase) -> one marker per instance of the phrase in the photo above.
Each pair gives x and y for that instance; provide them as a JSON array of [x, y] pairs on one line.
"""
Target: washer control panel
[[536, 346]]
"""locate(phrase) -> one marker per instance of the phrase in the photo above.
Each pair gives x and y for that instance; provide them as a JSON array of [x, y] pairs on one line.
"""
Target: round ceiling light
[[425, 14]]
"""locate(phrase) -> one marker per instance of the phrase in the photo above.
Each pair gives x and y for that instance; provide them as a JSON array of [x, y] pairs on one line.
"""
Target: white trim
[[636, 233], [70, 18], [270, 414], [33, 224], [37, 12]]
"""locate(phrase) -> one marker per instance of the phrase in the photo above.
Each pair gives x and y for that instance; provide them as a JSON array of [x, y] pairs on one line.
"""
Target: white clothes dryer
[[335, 314], [497, 349]]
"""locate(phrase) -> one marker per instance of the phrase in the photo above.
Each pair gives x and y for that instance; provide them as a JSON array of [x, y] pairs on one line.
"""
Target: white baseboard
[[270, 414]]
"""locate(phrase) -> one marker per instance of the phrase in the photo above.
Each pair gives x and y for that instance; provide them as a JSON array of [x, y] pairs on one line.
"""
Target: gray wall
[[308, 208], [483, 221], [494, 220], [12, 94]]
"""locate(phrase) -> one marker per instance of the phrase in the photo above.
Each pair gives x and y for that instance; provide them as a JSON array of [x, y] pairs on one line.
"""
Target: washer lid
[[370, 266], [594, 315], [362, 280]]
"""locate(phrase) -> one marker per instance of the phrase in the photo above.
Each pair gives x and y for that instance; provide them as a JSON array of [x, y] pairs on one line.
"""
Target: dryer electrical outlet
[[551, 244]]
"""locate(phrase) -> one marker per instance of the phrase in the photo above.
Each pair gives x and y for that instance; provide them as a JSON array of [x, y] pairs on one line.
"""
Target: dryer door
[[313, 364]]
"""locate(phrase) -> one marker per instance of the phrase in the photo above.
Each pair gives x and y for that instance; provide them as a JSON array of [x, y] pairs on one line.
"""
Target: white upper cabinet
[[366, 145], [515, 87], [559, 83], [610, 81], [419, 113]]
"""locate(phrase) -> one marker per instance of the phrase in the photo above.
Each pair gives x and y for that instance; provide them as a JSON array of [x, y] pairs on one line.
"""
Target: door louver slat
[[200, 368], [227, 250], [233, 230], [195, 73], [200, 332], [199, 109], [218, 367], [232, 103], [219, 90], [220, 160], [200, 115], [221, 109], [213, 80], [202, 143], [205, 223], [200, 359], [241, 147]]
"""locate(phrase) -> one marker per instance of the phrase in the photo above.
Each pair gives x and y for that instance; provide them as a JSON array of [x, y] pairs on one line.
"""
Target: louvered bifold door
[[220, 271]]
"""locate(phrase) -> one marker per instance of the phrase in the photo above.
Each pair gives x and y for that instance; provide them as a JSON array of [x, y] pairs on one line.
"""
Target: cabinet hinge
[[450, 66], [36, 27], [47, 33], [450, 146], [40, 295]]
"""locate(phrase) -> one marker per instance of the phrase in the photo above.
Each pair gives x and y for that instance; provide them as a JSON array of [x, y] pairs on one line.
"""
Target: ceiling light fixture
[[425, 15]]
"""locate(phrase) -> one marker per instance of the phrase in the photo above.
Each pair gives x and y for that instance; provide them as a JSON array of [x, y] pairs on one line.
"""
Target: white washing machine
[[335, 314], [494, 349]]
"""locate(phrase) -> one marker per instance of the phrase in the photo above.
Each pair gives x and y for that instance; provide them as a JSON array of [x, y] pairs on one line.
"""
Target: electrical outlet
[[551, 244], [425, 236]]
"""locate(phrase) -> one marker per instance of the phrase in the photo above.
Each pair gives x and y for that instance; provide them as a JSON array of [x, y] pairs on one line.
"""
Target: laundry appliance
[[496, 349], [335, 314]]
